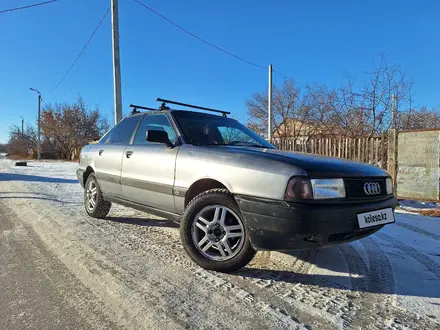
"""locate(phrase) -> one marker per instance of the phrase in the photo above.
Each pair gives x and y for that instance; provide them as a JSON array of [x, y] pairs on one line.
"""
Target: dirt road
[[61, 268]]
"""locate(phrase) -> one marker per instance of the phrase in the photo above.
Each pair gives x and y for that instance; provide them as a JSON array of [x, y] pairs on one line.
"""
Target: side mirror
[[158, 137]]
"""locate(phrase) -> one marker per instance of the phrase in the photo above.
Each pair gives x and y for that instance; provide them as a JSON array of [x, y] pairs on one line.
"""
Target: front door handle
[[128, 154], [100, 152]]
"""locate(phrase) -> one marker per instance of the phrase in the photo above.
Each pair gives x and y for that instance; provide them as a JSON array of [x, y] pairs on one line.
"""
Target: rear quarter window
[[104, 139], [122, 133]]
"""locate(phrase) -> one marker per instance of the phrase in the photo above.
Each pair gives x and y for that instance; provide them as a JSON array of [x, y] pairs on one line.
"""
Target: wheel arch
[[202, 185]]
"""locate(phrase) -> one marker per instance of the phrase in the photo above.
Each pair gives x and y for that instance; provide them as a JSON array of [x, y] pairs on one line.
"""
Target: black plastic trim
[[141, 207], [80, 176], [150, 186], [108, 177]]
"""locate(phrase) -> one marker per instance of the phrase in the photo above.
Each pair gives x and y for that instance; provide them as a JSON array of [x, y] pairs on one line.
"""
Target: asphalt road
[[37, 291]]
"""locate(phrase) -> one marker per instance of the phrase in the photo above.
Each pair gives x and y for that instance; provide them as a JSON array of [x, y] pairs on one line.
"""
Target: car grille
[[355, 187]]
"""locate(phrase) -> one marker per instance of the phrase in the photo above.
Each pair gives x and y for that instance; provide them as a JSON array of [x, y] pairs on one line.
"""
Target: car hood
[[314, 165]]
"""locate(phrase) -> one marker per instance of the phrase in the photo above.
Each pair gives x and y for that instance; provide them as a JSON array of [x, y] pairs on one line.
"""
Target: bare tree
[[376, 96], [345, 113], [422, 118], [293, 111], [348, 110], [367, 111], [68, 127], [22, 143]]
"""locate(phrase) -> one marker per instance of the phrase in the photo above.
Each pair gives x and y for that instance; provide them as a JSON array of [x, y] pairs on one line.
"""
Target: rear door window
[[157, 122]]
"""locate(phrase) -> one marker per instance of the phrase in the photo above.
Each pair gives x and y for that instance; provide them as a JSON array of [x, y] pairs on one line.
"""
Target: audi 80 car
[[232, 191]]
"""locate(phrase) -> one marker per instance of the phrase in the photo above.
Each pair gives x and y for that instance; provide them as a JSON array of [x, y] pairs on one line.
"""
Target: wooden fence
[[371, 150]]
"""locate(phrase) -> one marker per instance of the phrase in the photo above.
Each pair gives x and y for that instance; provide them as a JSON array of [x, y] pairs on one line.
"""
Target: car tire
[[98, 207], [239, 251]]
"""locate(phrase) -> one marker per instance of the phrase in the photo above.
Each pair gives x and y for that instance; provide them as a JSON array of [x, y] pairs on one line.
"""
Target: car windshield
[[204, 129]]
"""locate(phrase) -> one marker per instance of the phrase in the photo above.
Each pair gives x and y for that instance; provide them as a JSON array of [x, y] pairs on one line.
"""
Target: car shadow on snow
[[33, 178], [149, 222]]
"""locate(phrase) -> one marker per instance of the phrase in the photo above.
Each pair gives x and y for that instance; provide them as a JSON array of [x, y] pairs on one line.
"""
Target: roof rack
[[135, 107], [164, 102]]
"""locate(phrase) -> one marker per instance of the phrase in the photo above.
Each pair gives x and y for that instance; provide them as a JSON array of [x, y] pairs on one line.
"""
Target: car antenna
[[164, 102]]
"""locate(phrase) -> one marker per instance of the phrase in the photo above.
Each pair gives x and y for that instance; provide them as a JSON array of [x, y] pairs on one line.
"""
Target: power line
[[207, 42], [81, 52], [26, 7], [282, 75], [199, 38]]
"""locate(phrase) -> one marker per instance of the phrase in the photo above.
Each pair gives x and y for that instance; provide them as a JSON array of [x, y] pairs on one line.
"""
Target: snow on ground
[[390, 280], [416, 206]]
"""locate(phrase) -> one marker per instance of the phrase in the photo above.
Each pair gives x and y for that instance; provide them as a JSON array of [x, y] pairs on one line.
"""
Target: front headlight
[[389, 183], [328, 188], [301, 188]]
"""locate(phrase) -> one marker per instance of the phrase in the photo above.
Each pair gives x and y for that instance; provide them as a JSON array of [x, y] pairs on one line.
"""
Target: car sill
[[144, 208]]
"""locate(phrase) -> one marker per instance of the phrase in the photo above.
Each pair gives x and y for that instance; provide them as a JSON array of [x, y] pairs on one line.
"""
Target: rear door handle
[[128, 154], [100, 152]]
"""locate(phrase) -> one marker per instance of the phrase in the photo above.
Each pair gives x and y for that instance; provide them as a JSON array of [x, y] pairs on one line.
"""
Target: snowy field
[[134, 265]]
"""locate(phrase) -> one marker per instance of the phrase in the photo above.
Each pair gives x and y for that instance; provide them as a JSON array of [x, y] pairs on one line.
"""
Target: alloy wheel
[[217, 233], [91, 193]]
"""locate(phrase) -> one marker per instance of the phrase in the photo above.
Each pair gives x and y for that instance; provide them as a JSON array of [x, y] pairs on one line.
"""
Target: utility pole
[[39, 133], [116, 63], [39, 130], [22, 127], [269, 106], [393, 112]]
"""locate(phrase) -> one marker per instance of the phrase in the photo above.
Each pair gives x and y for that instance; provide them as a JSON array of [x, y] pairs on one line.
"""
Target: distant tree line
[[65, 129], [355, 109]]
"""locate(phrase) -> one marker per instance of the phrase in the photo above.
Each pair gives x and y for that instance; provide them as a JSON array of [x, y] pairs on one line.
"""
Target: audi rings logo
[[372, 188]]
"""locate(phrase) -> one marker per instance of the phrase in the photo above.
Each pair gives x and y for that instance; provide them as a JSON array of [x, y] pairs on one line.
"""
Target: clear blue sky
[[313, 41]]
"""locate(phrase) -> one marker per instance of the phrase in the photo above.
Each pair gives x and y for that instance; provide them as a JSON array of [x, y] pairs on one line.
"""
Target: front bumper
[[278, 225]]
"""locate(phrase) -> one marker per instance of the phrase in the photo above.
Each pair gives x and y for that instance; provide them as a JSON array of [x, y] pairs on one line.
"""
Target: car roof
[[190, 113]]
